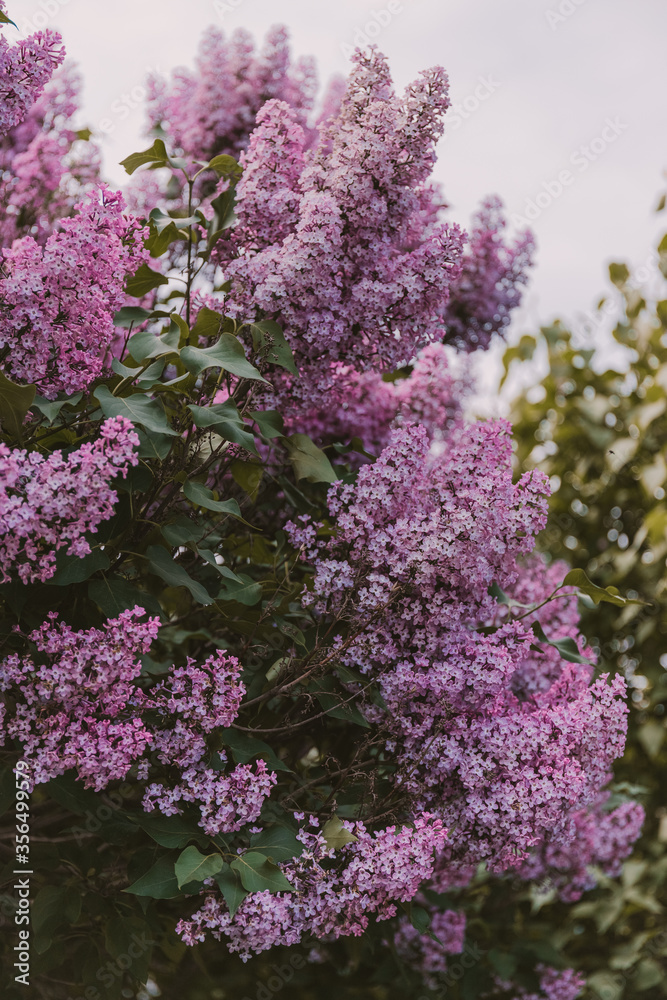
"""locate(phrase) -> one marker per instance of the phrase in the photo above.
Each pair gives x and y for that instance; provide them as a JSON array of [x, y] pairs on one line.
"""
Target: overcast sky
[[541, 87]]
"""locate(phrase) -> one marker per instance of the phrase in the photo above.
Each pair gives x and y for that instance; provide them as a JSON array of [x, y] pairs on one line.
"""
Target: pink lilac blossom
[[420, 537], [50, 503], [428, 952], [491, 281], [213, 110], [367, 407], [81, 709], [57, 302], [370, 877], [554, 985], [343, 282], [44, 167], [25, 68], [75, 710]]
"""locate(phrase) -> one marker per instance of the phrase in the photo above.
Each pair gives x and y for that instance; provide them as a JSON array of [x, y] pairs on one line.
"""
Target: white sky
[[555, 72]]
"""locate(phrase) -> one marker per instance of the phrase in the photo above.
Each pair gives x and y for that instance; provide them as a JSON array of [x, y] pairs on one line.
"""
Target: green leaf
[[159, 882], [246, 591], [258, 873], [192, 866], [203, 497], [567, 648], [207, 324], [130, 315], [145, 345], [248, 475], [225, 420], [308, 461], [144, 281], [336, 835], [270, 423], [156, 154], [6, 20], [72, 569], [51, 408], [277, 843], [269, 340], [114, 594], [618, 274], [182, 531], [231, 888], [175, 575], [227, 354], [168, 831], [245, 747], [578, 578], [15, 401], [223, 206], [52, 907], [225, 166], [137, 408]]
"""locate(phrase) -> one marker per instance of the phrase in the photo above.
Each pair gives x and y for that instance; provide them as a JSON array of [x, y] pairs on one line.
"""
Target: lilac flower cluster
[[79, 708], [555, 984], [428, 952], [372, 874], [51, 503], [25, 68], [367, 407], [504, 760], [213, 110], [44, 167], [355, 271], [57, 302], [491, 281]]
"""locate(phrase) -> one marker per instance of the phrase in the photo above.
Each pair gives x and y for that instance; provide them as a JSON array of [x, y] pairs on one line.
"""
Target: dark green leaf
[[15, 401], [114, 594], [231, 888], [227, 354], [225, 166], [137, 408], [144, 281], [270, 422], [225, 420], [246, 591], [168, 831], [245, 747], [277, 843], [203, 497], [578, 578], [567, 648], [71, 569], [156, 154], [269, 341], [159, 882], [130, 315], [308, 461], [51, 408], [165, 566], [192, 866], [144, 345], [52, 907], [258, 873]]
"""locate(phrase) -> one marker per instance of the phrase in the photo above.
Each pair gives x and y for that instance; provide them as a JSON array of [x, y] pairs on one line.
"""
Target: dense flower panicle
[[597, 838], [490, 285], [213, 110], [45, 167], [25, 68], [47, 504], [378, 871], [74, 710], [58, 301], [355, 271], [82, 710], [226, 801], [367, 407], [555, 984]]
